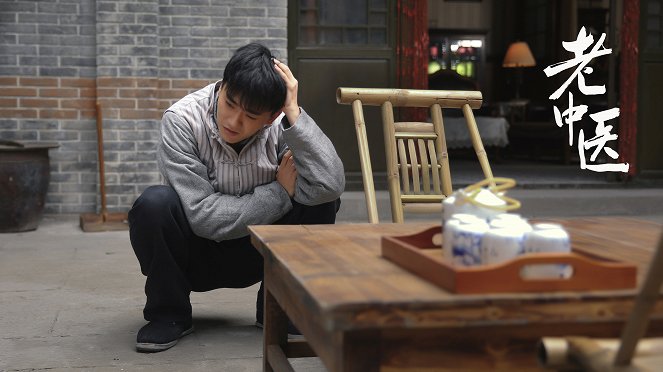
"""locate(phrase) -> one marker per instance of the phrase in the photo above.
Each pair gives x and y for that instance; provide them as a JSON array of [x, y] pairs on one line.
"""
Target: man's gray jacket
[[223, 192]]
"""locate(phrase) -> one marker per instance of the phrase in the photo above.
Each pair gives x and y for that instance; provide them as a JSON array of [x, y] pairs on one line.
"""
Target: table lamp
[[518, 56]]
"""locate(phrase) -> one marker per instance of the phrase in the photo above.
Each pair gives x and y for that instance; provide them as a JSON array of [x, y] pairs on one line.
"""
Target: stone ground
[[73, 301]]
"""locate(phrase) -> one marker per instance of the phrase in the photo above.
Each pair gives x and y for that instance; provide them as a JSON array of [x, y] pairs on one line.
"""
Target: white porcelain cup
[[547, 238], [450, 226], [456, 204], [459, 202], [490, 205], [462, 241], [501, 244], [507, 220], [509, 217], [448, 208], [467, 218]]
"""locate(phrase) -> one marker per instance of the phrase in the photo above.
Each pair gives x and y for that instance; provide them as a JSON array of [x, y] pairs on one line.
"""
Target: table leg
[[359, 351], [275, 334]]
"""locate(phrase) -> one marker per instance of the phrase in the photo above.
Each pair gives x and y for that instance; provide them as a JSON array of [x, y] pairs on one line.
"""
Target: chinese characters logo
[[603, 132]]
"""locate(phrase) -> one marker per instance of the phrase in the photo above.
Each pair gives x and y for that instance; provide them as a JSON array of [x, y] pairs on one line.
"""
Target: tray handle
[[587, 273], [430, 237]]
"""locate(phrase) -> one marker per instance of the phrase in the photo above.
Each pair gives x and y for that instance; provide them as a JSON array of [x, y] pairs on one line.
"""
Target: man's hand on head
[[291, 107], [286, 174]]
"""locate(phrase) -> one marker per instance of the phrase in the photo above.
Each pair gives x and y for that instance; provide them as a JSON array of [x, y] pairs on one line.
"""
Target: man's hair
[[251, 80]]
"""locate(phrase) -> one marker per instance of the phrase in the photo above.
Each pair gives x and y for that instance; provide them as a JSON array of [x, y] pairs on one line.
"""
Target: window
[[342, 22]]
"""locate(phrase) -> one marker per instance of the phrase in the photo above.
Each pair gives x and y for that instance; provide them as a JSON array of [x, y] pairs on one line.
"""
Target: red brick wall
[[74, 98], [47, 97]]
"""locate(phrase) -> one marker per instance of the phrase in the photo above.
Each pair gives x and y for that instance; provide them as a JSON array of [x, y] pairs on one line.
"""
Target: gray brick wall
[[127, 47], [196, 38], [135, 57], [127, 38], [53, 44]]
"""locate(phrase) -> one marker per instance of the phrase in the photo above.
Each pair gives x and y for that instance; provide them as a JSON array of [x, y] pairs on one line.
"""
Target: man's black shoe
[[160, 336]]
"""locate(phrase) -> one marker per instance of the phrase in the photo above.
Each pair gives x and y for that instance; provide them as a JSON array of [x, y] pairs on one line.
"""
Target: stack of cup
[[478, 231], [469, 240]]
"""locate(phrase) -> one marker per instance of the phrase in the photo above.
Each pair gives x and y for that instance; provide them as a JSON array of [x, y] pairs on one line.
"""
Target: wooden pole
[[638, 320], [100, 152]]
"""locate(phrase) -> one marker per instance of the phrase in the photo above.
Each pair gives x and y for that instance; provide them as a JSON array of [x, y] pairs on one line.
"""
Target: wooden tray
[[420, 255]]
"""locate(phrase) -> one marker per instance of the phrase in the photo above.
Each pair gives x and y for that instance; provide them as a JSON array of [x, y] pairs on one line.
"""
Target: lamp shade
[[518, 55]]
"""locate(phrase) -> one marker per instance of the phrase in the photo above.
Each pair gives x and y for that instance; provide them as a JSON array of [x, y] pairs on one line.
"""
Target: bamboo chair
[[416, 152]]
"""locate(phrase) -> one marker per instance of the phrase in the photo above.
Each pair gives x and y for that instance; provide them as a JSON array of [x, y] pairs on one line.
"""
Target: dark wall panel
[[319, 79], [650, 129]]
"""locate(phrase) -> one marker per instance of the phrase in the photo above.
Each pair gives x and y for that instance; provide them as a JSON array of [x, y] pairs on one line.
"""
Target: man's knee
[[155, 200], [155, 217], [329, 209], [156, 207], [324, 213]]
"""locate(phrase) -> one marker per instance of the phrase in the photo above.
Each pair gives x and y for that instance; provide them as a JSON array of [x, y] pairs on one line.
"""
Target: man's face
[[235, 123]]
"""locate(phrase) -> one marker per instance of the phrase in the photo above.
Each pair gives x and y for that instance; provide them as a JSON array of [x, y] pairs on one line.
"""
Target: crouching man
[[236, 153]]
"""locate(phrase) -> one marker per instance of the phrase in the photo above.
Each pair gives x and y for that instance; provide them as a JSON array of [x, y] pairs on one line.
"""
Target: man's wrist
[[292, 114]]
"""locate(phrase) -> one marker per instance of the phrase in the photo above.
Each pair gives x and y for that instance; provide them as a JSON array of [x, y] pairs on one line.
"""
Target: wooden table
[[360, 312]]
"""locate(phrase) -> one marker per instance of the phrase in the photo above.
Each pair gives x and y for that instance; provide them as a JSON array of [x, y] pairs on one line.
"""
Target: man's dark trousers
[[177, 262]]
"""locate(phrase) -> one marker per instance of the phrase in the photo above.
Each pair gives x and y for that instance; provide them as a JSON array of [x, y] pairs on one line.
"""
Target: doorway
[[343, 43]]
